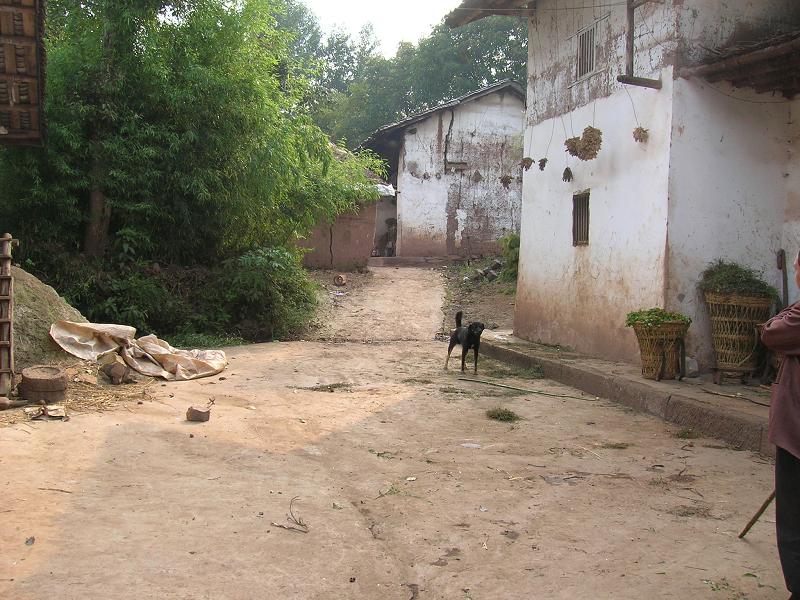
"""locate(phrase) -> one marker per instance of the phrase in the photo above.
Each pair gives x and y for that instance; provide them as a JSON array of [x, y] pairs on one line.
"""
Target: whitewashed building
[[715, 84], [456, 169]]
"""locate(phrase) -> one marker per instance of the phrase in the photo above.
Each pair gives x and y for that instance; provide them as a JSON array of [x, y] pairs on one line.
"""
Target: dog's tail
[[459, 316]]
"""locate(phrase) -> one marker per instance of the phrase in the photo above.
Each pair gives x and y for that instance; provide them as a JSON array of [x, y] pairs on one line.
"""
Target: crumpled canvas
[[148, 355]]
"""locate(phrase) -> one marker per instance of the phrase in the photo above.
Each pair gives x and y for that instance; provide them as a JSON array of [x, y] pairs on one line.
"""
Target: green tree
[[441, 66], [173, 123]]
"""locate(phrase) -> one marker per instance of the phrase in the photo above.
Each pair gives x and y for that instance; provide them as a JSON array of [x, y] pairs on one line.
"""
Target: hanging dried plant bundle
[[641, 135], [542, 164], [567, 175], [586, 147], [506, 181], [526, 163]]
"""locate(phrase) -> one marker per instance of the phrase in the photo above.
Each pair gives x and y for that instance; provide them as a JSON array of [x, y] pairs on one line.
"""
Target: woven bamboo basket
[[659, 347], [733, 329]]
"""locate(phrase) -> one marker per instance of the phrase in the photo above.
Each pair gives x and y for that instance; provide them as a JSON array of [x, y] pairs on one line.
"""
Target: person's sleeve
[[782, 332]]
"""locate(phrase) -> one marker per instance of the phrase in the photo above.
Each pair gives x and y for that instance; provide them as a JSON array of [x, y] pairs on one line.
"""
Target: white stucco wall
[[579, 296], [728, 195], [791, 228], [461, 211]]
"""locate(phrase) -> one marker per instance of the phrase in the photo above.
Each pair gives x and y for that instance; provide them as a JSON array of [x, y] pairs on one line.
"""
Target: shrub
[[723, 277], [266, 293], [262, 294], [509, 248], [503, 414]]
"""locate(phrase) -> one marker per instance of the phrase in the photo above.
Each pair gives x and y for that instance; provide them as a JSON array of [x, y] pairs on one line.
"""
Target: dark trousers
[[787, 505]]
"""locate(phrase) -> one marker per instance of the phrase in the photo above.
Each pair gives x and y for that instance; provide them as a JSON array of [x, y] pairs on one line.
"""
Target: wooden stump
[[44, 385]]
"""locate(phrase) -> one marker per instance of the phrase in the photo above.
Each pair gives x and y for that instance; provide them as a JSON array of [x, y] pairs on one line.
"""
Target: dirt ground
[[408, 491], [491, 302]]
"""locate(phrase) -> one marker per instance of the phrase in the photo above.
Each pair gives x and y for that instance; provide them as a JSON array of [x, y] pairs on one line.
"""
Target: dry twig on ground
[[296, 522]]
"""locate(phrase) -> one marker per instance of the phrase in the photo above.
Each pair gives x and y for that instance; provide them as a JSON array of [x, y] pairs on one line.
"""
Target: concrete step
[[688, 404], [431, 262]]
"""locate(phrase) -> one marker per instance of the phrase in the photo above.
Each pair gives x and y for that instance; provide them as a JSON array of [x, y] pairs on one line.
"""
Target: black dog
[[469, 337]]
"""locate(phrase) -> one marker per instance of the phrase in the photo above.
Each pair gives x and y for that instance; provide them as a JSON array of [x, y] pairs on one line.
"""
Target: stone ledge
[[738, 429]]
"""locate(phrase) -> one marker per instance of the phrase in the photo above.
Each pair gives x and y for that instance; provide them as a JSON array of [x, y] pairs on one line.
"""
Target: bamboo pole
[[6, 316], [757, 516]]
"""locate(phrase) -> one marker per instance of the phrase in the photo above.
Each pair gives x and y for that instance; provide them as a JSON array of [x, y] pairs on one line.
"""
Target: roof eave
[[386, 130], [475, 10]]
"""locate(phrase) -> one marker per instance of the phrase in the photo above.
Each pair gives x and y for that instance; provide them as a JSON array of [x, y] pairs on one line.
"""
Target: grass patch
[[690, 511], [330, 388], [687, 434], [384, 454], [201, 341], [392, 491], [453, 390], [503, 414], [500, 370], [616, 445], [417, 381]]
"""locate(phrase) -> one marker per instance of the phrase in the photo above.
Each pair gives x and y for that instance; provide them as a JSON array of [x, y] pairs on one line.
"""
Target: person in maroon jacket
[[781, 334]]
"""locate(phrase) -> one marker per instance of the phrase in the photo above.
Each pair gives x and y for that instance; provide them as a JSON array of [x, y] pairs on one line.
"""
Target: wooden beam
[[778, 86], [774, 78], [654, 84], [750, 58], [18, 40], [630, 40], [756, 70], [17, 9]]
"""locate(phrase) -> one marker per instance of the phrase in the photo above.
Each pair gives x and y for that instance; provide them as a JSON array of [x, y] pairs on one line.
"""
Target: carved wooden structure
[[22, 68]]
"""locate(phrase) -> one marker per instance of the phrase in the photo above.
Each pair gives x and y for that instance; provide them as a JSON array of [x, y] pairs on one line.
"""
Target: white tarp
[[147, 355], [385, 189]]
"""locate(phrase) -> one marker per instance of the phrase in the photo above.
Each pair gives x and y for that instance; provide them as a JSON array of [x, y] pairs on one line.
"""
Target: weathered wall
[[706, 24], [553, 49], [386, 208], [659, 214], [345, 245], [579, 296], [462, 209], [728, 195]]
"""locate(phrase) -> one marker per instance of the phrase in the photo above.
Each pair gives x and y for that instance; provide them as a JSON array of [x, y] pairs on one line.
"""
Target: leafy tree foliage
[[176, 114], [178, 133], [444, 65]]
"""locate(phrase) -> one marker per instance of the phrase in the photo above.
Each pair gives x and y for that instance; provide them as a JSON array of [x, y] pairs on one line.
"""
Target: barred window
[[587, 46], [580, 219]]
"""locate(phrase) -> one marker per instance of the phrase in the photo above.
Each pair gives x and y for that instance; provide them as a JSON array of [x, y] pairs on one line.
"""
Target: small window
[[580, 219], [586, 51]]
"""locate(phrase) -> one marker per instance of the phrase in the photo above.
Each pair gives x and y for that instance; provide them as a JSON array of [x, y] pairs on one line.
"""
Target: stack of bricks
[[6, 316]]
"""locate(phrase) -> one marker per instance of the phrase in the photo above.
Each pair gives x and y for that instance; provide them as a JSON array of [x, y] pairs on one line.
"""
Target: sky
[[408, 20]]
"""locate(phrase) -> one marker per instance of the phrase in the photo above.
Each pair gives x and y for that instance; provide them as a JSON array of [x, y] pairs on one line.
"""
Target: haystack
[[36, 307]]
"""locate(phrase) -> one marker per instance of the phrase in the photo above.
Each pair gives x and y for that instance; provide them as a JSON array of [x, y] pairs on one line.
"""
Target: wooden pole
[[630, 40], [757, 516], [6, 316]]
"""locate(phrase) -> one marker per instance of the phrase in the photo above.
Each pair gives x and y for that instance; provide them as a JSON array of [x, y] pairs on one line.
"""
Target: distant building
[[457, 171], [715, 85]]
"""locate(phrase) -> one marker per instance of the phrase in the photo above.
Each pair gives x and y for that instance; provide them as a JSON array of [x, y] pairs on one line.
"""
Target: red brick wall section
[[352, 237]]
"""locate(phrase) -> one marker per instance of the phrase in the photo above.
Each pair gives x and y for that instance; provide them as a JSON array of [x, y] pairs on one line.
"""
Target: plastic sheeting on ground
[[148, 355]]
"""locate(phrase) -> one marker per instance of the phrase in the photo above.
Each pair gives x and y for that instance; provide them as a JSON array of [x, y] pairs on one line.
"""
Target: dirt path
[[408, 490], [388, 304]]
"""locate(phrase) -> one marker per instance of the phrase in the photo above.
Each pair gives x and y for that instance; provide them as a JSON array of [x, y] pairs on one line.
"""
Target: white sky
[[407, 20]]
